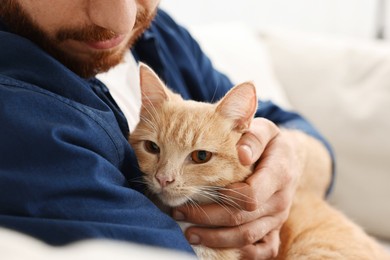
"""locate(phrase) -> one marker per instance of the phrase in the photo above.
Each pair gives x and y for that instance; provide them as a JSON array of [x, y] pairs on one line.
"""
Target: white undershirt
[[123, 83]]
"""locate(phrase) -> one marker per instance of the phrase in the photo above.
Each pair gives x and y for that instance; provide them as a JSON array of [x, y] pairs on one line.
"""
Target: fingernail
[[247, 150], [177, 215], [194, 239]]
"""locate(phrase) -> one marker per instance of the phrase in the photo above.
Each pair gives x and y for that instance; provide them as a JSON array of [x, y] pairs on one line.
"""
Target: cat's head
[[187, 149]]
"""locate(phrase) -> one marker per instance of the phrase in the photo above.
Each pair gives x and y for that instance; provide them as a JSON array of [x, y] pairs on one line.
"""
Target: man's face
[[87, 36]]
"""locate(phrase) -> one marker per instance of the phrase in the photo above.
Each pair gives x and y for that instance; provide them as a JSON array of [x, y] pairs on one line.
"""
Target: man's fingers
[[215, 215], [271, 174], [266, 249], [234, 237], [227, 216], [239, 195], [267, 183], [252, 143]]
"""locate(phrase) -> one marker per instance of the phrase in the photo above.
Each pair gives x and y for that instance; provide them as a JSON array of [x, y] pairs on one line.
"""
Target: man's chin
[[21, 23], [90, 62], [89, 65]]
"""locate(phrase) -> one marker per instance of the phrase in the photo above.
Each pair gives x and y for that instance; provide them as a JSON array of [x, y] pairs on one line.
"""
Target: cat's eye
[[201, 156], [152, 147]]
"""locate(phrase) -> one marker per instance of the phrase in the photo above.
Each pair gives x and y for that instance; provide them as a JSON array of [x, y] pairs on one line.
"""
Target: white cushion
[[236, 50], [15, 246], [343, 86]]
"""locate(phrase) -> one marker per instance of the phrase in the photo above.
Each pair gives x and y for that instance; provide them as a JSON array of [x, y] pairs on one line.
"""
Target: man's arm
[[62, 169]]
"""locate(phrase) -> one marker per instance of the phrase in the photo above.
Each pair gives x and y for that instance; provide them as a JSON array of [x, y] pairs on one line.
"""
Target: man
[[66, 170]]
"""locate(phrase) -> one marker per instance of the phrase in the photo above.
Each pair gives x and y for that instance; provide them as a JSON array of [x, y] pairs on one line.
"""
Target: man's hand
[[264, 198]]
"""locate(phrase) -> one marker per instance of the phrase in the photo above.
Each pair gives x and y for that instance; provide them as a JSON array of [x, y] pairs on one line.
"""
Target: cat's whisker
[[191, 202], [194, 203], [212, 194], [225, 198], [137, 180], [225, 206], [229, 201], [245, 198], [215, 92], [155, 113], [147, 110], [149, 121]]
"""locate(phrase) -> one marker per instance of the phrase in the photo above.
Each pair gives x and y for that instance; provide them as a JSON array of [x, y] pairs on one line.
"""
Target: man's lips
[[107, 44]]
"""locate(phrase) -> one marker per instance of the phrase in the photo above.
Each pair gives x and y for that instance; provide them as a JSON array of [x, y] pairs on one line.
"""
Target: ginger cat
[[187, 152]]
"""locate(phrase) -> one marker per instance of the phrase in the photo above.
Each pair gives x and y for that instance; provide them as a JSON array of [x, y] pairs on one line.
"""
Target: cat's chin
[[172, 201]]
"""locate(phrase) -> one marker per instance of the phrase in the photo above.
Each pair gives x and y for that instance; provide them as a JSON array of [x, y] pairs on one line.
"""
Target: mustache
[[94, 33], [90, 33]]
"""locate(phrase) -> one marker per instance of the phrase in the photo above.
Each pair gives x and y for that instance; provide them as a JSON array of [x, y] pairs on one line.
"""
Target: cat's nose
[[164, 179]]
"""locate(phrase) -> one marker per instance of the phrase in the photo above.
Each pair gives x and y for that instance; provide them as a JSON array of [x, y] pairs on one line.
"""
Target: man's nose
[[115, 15]]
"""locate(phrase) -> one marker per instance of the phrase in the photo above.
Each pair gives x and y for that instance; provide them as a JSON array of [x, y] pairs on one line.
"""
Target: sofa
[[341, 85]]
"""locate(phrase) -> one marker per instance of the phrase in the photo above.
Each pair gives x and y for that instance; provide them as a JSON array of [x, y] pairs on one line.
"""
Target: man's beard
[[19, 22]]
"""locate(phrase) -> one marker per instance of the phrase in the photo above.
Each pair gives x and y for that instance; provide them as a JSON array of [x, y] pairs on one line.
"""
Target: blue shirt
[[67, 171]]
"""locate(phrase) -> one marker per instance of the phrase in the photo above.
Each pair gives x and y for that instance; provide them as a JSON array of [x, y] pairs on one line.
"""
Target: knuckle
[[249, 237], [284, 215], [287, 174], [261, 210], [251, 202], [236, 219], [273, 251], [268, 123], [282, 203], [279, 207], [275, 129], [252, 138]]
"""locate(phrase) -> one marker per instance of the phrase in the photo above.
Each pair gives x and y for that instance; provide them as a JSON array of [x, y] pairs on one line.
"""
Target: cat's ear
[[153, 90], [239, 105]]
